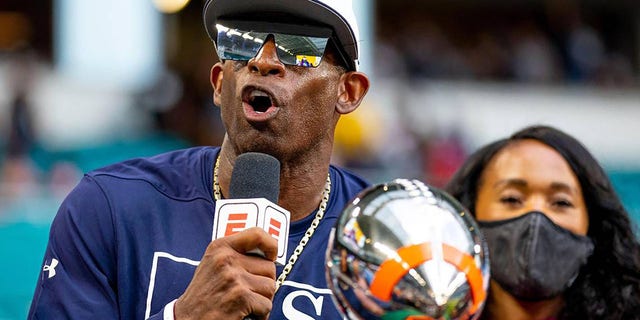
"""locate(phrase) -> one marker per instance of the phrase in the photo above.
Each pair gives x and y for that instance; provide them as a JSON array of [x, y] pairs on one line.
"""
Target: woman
[[560, 242]]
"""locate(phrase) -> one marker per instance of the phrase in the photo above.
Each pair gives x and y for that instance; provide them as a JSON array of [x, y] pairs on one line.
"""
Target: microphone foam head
[[255, 175]]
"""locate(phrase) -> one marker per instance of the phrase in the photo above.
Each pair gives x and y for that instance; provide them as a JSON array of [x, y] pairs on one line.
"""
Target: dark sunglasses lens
[[234, 44], [302, 51], [296, 50]]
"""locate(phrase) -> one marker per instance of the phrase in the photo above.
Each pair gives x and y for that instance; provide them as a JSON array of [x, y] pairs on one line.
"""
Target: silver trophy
[[405, 250]]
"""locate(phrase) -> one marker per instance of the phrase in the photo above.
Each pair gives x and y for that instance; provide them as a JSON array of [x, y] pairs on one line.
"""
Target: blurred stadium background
[[84, 84]]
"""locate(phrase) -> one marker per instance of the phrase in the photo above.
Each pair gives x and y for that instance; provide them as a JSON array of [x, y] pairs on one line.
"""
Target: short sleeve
[[78, 276]]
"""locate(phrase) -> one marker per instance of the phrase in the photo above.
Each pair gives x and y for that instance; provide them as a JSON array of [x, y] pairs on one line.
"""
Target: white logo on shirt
[[51, 268], [292, 313], [305, 291]]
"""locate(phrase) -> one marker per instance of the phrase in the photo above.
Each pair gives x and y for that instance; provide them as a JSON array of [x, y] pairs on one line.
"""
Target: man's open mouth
[[259, 104], [260, 101]]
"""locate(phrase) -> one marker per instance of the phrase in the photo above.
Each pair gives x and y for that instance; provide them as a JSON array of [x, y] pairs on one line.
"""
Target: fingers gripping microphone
[[254, 190]]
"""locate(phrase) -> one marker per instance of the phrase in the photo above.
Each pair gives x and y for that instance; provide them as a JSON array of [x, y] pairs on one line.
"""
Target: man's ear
[[353, 87], [216, 82]]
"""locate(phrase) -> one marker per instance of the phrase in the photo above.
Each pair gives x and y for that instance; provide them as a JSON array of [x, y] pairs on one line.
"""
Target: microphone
[[254, 190], [255, 175]]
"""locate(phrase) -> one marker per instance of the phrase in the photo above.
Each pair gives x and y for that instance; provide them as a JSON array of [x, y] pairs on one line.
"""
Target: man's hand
[[229, 283]]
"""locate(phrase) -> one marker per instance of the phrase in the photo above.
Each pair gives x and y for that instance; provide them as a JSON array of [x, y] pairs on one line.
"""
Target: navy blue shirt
[[127, 240]]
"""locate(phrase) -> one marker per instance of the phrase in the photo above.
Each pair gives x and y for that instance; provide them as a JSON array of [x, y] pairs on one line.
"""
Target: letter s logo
[[291, 313]]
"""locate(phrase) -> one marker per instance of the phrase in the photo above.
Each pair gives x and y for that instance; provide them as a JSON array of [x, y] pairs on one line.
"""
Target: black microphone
[[255, 175], [253, 191]]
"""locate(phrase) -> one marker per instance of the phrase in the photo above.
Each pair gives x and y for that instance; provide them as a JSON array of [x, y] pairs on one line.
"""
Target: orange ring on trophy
[[409, 257]]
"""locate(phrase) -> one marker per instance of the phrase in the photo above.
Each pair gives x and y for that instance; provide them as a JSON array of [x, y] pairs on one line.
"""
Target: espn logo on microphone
[[235, 215]]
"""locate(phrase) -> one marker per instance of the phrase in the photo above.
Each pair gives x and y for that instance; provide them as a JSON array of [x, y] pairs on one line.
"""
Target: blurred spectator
[[534, 58], [17, 173], [586, 52], [21, 131], [21, 136]]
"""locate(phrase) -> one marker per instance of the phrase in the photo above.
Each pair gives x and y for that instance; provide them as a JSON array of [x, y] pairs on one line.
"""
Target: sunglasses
[[296, 45]]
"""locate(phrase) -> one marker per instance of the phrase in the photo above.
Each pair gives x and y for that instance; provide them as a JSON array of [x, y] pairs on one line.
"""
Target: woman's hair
[[608, 286]]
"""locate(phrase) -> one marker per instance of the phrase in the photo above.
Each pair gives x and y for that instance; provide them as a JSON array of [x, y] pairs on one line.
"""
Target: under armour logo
[[51, 268]]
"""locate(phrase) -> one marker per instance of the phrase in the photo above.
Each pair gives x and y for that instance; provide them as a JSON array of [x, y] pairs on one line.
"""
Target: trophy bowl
[[406, 250]]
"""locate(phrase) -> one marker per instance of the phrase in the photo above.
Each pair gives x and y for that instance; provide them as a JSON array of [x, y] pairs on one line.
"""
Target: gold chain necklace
[[217, 195]]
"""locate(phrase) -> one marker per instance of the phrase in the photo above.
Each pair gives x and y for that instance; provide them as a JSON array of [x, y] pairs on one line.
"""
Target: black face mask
[[532, 258]]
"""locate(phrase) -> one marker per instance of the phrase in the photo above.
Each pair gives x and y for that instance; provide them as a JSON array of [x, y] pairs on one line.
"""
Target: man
[[134, 240]]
